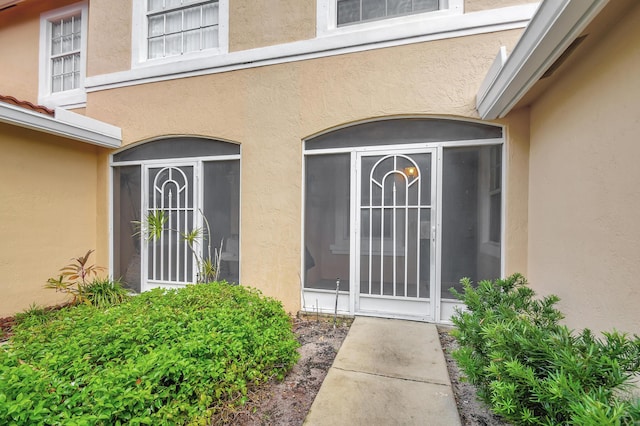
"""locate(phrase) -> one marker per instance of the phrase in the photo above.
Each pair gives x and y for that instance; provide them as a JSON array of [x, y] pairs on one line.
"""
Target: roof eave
[[65, 123], [552, 29]]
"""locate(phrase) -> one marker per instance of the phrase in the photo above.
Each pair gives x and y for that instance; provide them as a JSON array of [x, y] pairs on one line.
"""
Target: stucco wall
[[516, 221], [584, 232], [47, 213], [268, 22], [109, 39], [270, 110]]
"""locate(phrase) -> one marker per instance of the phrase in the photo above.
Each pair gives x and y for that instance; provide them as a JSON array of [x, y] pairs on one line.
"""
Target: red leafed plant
[[74, 277]]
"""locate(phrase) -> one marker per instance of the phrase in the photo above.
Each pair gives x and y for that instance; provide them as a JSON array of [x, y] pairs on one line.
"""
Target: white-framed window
[[175, 30], [345, 16], [63, 47]]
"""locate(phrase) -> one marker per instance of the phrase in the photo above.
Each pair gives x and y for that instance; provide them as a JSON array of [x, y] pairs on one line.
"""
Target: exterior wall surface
[[267, 22], [516, 224], [584, 233], [47, 214], [270, 110]]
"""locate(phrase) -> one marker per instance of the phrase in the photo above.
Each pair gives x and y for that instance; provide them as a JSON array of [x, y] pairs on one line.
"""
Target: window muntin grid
[[66, 41], [176, 27], [356, 11]]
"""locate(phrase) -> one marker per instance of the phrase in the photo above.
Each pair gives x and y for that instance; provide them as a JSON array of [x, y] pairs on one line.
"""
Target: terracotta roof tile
[[26, 104]]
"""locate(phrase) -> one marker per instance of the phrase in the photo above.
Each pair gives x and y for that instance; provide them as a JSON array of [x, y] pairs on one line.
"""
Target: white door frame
[[392, 305], [146, 283]]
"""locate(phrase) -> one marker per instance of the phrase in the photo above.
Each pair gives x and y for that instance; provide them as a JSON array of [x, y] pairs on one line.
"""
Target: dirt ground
[[472, 412]]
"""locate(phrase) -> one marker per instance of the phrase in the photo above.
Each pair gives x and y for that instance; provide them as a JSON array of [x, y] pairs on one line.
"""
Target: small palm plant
[[208, 263]]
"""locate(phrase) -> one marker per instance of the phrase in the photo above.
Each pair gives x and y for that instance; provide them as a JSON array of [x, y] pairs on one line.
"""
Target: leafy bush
[[104, 292], [34, 315], [533, 371], [164, 357]]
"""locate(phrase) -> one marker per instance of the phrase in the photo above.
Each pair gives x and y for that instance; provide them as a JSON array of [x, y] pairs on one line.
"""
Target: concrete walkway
[[387, 372]]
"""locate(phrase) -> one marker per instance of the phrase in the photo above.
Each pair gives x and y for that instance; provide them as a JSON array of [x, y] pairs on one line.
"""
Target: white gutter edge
[[65, 123], [552, 29]]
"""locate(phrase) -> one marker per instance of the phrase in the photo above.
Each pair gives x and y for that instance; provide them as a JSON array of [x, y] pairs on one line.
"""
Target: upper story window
[[353, 11], [63, 40], [172, 30], [181, 26], [345, 16]]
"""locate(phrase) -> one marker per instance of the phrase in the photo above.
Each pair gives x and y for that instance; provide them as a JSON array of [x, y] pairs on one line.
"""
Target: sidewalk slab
[[387, 372]]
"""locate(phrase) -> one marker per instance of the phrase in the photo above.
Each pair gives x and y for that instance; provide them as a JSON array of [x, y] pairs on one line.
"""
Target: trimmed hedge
[[164, 357], [533, 371]]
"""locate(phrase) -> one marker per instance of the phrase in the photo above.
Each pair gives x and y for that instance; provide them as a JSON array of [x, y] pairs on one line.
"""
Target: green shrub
[[104, 292], [164, 357], [532, 370], [34, 315]]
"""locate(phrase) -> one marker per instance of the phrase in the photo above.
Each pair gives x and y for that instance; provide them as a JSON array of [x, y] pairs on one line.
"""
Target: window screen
[[327, 221], [469, 217], [354, 11], [403, 131], [177, 148]]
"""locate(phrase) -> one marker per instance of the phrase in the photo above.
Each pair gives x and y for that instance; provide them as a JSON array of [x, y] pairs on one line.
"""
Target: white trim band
[[434, 29]]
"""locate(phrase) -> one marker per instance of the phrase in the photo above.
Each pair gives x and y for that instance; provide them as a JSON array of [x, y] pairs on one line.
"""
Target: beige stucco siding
[[47, 214], [109, 39], [584, 232], [270, 110], [516, 220], [269, 22]]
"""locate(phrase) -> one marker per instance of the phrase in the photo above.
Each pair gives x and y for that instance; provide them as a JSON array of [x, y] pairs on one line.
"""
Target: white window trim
[[68, 98], [139, 30], [327, 16]]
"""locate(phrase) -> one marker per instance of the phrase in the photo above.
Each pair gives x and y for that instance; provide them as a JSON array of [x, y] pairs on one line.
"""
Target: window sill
[[76, 98], [193, 59]]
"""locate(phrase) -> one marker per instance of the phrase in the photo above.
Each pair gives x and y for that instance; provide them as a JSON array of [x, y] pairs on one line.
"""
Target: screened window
[[354, 11], [63, 35], [176, 27], [467, 178], [327, 221]]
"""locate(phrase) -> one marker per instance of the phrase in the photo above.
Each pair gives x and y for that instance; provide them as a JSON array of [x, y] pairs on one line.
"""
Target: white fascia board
[[328, 45], [552, 29], [65, 123]]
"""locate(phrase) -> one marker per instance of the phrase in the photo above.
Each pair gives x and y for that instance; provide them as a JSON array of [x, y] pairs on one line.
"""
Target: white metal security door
[[170, 193], [396, 247]]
